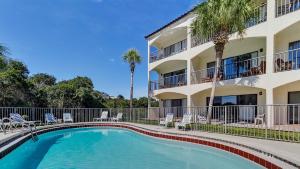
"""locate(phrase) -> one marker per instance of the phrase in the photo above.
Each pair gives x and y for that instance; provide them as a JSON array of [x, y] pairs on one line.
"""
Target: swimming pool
[[109, 148]]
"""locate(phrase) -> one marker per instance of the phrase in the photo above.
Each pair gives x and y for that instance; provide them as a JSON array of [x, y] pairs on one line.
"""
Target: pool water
[[107, 148]]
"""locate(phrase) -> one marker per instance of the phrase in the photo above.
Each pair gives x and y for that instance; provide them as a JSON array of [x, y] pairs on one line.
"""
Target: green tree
[[42, 80], [218, 19], [132, 57], [39, 87], [14, 89]]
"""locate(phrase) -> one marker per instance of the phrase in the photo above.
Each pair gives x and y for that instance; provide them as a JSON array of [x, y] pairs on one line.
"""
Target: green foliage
[[41, 80], [14, 89], [42, 90], [220, 18], [132, 57]]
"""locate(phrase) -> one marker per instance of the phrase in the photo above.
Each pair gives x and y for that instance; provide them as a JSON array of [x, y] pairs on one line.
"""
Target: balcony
[[261, 13], [284, 7], [169, 82], [287, 60], [168, 51], [238, 69]]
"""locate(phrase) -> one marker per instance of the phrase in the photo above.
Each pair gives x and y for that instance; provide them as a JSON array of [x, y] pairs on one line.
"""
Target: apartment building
[[263, 68]]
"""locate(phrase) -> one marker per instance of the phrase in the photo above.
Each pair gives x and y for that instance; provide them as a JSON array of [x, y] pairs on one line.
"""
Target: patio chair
[[17, 120], [201, 119], [67, 118], [260, 118], [118, 117], [104, 116], [50, 119], [167, 120], [5, 123], [186, 120]]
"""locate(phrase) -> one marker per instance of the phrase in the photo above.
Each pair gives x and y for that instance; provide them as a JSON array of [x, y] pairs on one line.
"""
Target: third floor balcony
[[168, 51], [284, 7], [260, 17]]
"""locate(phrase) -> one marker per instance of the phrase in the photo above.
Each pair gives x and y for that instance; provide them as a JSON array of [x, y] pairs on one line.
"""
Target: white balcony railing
[[245, 68], [169, 82], [168, 51], [260, 16], [284, 7], [287, 60]]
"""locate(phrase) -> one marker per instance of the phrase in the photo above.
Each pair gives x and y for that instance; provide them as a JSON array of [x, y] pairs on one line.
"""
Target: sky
[[69, 38]]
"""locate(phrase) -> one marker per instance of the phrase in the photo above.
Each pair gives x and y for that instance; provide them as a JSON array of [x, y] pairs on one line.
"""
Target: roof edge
[[173, 21]]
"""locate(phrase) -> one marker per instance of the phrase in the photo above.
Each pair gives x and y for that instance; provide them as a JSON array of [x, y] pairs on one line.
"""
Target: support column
[[188, 72], [270, 54], [189, 38], [271, 10], [148, 71], [189, 103], [270, 36], [270, 107]]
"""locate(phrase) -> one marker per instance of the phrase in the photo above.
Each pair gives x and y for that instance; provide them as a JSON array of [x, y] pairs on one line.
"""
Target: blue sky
[[66, 38]]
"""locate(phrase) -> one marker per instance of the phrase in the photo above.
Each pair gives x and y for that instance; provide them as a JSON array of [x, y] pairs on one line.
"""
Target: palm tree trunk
[[131, 90], [219, 48]]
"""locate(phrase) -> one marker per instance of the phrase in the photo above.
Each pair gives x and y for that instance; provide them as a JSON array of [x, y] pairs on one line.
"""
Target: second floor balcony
[[168, 51], [287, 60], [231, 70], [169, 82]]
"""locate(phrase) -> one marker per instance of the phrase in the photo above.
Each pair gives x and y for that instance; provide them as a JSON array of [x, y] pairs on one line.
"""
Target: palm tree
[[218, 19], [132, 57]]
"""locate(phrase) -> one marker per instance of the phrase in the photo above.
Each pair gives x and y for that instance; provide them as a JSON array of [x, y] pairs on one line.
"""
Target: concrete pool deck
[[266, 149]]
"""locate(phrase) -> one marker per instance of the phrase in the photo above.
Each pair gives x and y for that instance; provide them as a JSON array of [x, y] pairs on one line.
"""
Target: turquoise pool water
[[106, 148]]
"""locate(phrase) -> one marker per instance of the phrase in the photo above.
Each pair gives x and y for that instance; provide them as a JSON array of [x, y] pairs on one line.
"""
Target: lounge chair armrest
[[6, 119]]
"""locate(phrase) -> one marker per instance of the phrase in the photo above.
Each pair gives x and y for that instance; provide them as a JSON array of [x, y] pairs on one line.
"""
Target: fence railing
[[287, 60], [277, 122], [238, 69], [260, 17], [284, 7], [168, 51]]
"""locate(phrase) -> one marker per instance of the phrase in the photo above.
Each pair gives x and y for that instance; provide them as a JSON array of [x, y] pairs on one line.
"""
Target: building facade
[[263, 68]]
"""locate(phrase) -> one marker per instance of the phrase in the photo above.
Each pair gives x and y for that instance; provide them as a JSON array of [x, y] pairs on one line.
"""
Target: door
[[293, 109]]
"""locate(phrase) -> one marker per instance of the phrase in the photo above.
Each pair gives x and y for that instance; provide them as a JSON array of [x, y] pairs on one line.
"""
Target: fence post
[[225, 119], [266, 121]]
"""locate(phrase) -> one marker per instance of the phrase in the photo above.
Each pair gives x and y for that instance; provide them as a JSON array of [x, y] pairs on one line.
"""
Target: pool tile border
[[26, 136]]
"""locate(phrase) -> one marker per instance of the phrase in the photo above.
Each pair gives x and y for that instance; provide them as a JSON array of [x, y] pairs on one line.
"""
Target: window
[[235, 113], [210, 69], [175, 48], [294, 55], [237, 66]]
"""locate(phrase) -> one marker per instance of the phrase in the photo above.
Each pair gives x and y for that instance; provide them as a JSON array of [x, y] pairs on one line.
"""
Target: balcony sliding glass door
[[294, 55]]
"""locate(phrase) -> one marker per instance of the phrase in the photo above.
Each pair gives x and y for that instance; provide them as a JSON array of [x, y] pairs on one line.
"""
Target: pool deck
[[259, 147]]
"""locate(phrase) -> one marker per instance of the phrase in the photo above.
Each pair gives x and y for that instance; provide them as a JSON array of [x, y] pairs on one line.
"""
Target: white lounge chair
[[17, 120], [118, 118], [167, 120], [67, 118], [50, 119], [104, 116], [5, 124], [186, 120]]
